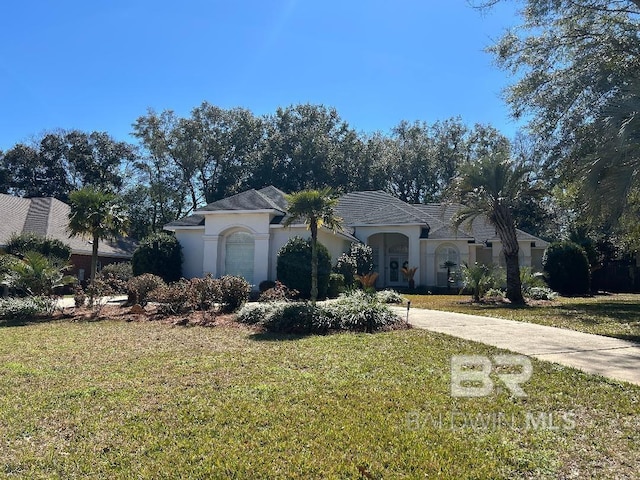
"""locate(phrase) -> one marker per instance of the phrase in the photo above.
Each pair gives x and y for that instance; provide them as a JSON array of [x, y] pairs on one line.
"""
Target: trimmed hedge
[[567, 268], [294, 267], [159, 254]]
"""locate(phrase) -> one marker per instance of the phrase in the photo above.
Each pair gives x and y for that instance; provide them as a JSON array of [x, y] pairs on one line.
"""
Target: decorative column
[[260, 258], [210, 258]]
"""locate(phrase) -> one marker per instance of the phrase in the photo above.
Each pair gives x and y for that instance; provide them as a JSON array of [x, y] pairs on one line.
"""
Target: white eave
[[226, 212]]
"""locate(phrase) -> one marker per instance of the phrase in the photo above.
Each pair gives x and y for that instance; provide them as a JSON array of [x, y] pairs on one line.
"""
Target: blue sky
[[100, 65]]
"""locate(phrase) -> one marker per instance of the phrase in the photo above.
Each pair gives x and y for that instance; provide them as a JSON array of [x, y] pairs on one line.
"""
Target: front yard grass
[[112, 399], [614, 315]]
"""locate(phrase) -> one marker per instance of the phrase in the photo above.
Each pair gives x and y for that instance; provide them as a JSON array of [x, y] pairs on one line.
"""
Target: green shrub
[[234, 292], [36, 274], [361, 312], [359, 261], [159, 254], [116, 276], [294, 267], [479, 278], [173, 298], [336, 285], [530, 279], [257, 313], [362, 256], [19, 245], [346, 266], [389, 296], [495, 293], [300, 318], [139, 288], [22, 309], [541, 293], [567, 268]]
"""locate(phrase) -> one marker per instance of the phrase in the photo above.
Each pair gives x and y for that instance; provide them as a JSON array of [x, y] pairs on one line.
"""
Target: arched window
[[238, 258], [447, 263]]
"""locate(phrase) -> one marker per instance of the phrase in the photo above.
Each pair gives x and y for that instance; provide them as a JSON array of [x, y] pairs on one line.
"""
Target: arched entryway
[[390, 253]]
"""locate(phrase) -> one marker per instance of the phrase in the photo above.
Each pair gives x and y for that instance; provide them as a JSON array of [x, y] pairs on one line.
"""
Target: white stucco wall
[[192, 251], [280, 235], [430, 249]]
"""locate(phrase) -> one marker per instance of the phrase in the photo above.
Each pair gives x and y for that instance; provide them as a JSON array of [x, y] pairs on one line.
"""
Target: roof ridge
[[269, 201]]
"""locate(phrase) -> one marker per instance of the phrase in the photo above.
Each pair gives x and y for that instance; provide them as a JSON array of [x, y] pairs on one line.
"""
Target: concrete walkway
[[609, 357]]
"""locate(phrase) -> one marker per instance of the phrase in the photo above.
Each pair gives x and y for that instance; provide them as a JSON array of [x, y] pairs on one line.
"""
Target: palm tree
[[315, 208], [492, 186], [95, 214]]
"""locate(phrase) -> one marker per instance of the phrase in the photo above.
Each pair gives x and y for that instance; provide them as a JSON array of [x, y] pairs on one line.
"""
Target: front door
[[395, 278]]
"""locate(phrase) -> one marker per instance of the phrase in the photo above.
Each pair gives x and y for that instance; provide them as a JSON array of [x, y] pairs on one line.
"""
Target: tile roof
[[50, 217]]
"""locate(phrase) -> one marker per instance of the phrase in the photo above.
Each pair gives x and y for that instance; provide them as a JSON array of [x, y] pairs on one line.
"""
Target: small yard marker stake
[[408, 307]]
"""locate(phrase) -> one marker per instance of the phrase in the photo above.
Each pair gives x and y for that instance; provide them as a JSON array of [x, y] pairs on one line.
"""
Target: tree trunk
[[514, 286], [506, 230], [94, 258], [314, 262]]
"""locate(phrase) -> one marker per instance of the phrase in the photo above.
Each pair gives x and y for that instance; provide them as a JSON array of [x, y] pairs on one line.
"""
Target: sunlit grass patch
[[145, 400]]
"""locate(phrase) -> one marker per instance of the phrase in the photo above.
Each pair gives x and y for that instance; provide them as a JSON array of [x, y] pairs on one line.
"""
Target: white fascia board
[[173, 228], [386, 225], [227, 212]]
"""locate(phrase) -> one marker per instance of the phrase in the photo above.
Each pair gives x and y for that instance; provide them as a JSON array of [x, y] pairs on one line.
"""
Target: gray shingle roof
[[363, 208], [50, 217], [265, 199], [377, 208], [480, 229], [190, 221]]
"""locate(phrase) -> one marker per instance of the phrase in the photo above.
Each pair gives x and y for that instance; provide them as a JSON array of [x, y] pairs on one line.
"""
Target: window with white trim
[[239, 253]]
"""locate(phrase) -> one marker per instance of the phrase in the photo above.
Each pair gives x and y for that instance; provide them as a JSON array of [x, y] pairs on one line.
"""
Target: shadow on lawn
[[618, 312], [276, 337], [23, 322]]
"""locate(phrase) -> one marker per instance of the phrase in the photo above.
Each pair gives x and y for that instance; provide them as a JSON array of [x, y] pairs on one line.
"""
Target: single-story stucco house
[[49, 217], [241, 235]]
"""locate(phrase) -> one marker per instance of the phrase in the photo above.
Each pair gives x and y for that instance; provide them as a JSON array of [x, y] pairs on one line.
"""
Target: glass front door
[[394, 272]]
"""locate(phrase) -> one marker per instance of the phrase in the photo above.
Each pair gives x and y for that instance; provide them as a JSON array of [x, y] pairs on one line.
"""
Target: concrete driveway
[[609, 357]]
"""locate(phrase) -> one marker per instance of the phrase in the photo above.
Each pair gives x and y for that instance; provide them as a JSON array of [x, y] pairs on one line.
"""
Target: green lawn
[[611, 315], [113, 399]]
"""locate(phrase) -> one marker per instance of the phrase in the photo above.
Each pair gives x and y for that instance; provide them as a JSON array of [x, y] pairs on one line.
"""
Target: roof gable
[[265, 199]]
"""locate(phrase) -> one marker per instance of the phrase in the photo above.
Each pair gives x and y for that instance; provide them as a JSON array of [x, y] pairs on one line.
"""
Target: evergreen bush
[[294, 267], [159, 254], [567, 268]]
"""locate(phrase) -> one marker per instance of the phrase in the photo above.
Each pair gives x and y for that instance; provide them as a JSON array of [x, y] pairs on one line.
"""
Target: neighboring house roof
[[49, 217], [368, 208]]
